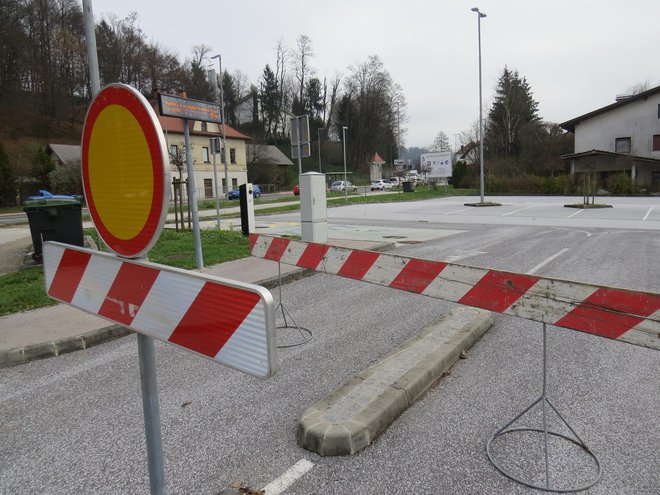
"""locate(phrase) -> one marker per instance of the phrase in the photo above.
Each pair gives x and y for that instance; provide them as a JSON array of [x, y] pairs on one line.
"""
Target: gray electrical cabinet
[[313, 210]]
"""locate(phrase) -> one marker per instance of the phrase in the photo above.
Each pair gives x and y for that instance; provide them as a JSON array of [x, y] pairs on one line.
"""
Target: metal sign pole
[[192, 197], [214, 150], [151, 414], [300, 146]]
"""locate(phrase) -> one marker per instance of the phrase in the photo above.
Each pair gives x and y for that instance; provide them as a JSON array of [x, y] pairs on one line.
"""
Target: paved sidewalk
[[60, 329]]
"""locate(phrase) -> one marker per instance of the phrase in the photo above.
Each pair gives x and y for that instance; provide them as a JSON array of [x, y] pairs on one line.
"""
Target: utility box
[[313, 209], [246, 201]]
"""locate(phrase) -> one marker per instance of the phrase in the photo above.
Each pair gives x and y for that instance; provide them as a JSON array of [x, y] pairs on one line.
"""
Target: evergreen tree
[[7, 180], [512, 109], [440, 143], [269, 98]]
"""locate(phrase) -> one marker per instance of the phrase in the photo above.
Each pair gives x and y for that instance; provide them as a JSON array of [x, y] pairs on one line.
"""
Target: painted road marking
[[516, 211], [543, 263], [573, 214], [648, 213], [456, 211], [293, 474]]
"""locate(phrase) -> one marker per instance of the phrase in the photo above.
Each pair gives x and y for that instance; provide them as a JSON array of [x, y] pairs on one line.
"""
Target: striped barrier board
[[230, 322], [620, 314]]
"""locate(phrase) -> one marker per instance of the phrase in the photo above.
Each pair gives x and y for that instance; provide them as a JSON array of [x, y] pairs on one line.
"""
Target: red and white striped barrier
[[227, 321], [621, 314]]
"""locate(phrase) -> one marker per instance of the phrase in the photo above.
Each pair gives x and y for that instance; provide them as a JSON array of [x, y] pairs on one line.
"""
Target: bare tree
[[302, 69]]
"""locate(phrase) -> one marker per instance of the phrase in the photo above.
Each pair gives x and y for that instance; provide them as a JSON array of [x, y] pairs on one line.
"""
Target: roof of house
[[569, 125], [65, 153], [377, 159], [266, 155], [174, 124], [594, 152]]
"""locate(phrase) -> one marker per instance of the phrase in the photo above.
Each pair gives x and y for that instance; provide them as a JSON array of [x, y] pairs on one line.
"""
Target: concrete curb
[[350, 418], [22, 355]]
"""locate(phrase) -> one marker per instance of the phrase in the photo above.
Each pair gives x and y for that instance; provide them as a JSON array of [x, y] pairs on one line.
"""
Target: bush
[[620, 184]]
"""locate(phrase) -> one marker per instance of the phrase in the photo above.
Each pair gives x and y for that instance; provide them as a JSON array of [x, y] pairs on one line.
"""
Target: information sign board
[[187, 108]]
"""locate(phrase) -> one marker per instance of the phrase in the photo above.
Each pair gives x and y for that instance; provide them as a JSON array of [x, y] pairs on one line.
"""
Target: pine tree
[[512, 109], [7, 180]]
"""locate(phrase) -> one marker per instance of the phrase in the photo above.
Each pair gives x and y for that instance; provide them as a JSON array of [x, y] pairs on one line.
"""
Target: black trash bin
[[54, 220], [408, 186]]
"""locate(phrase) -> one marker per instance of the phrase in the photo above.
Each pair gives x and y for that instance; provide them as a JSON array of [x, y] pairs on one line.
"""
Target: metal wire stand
[[577, 441], [305, 333]]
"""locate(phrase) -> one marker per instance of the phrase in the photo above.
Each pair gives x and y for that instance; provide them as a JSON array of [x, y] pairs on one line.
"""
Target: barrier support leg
[[543, 399], [305, 333]]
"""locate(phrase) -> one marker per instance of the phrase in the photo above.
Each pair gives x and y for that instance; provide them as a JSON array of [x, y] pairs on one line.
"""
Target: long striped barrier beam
[[621, 314]]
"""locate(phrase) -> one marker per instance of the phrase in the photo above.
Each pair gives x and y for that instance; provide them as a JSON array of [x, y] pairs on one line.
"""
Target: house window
[[174, 150], [234, 183], [208, 188], [205, 154], [622, 145], [656, 142], [659, 110], [204, 127], [232, 155]]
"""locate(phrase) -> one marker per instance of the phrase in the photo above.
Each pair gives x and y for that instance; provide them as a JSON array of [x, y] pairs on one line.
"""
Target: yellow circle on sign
[[120, 172]]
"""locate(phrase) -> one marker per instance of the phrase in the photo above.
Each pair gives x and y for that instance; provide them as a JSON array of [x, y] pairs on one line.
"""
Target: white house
[[623, 137]]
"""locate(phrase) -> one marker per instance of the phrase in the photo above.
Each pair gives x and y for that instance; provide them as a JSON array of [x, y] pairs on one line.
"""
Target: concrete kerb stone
[[350, 418], [22, 355]]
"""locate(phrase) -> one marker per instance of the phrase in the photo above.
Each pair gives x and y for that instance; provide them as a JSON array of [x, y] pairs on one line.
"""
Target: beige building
[[200, 135]]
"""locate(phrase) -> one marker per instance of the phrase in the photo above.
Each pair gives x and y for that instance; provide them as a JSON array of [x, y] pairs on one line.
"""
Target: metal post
[[223, 151], [481, 120], [300, 146], [318, 133], [343, 130], [192, 197], [215, 182], [90, 41], [151, 414]]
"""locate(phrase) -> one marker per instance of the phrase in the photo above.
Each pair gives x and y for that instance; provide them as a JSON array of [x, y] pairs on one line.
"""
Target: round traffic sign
[[125, 170]]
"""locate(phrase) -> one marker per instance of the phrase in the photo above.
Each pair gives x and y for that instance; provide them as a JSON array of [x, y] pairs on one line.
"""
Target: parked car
[[235, 193], [395, 181], [338, 185], [296, 190], [381, 185]]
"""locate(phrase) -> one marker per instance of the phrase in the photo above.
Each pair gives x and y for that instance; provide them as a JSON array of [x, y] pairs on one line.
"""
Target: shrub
[[620, 184]]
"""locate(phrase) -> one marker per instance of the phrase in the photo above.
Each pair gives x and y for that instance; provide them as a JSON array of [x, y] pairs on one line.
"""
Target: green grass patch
[[22, 291], [25, 290]]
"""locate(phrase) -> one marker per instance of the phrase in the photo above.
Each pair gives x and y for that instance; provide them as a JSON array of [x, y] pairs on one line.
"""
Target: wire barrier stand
[[547, 434], [305, 334]]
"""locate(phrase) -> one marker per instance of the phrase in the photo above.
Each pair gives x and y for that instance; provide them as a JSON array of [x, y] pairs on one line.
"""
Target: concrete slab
[[350, 418]]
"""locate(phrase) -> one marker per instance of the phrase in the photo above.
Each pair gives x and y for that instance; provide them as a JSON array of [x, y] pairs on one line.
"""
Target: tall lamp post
[[318, 133], [481, 120], [223, 151], [343, 130]]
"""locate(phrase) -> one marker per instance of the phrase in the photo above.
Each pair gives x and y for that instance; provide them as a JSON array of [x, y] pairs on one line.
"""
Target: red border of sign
[[134, 102]]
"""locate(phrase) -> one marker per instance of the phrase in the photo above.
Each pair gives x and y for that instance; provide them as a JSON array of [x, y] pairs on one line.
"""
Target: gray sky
[[576, 55]]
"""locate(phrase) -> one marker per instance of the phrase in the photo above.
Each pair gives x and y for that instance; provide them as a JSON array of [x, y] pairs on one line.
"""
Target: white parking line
[[543, 263], [573, 214], [457, 211], [648, 213], [516, 211], [293, 474]]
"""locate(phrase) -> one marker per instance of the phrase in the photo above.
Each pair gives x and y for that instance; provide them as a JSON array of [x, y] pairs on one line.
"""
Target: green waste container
[[54, 219], [408, 186]]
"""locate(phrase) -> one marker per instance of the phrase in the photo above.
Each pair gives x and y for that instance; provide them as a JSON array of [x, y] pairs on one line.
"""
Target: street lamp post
[[318, 133], [343, 130], [481, 120], [223, 151]]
